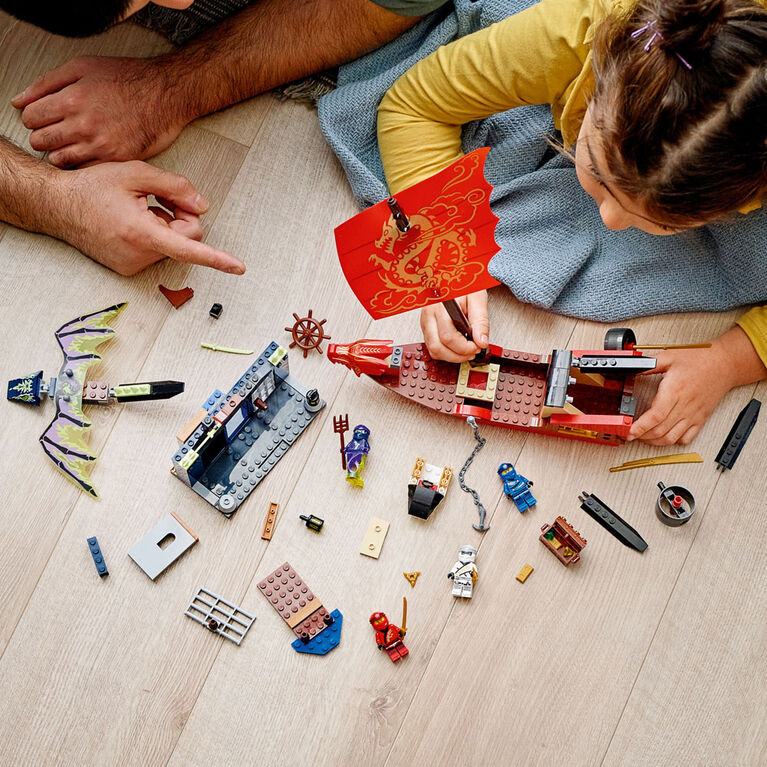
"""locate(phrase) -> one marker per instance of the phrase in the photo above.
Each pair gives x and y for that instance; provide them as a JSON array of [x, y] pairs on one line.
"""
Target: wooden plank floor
[[625, 659]]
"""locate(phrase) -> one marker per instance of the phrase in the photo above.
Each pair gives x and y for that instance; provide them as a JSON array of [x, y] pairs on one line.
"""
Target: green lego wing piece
[[64, 440]]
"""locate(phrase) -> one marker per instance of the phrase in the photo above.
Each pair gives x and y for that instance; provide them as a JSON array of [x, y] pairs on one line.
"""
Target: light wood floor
[[653, 659]]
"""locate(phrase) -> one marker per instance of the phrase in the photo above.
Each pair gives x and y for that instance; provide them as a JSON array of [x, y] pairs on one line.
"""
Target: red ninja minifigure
[[388, 636]]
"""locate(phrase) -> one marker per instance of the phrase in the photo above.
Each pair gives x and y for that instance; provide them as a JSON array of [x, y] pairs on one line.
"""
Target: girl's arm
[[533, 57]]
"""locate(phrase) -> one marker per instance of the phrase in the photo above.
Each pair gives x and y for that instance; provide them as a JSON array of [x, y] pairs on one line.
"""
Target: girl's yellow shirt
[[539, 56]]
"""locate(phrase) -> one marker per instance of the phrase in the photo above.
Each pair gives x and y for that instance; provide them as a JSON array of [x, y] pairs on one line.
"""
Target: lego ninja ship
[[580, 394]]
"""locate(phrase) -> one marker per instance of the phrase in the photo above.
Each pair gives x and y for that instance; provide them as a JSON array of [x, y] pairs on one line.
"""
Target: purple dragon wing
[[64, 439]]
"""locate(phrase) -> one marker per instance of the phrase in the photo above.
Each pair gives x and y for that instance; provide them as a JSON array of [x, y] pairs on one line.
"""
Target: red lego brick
[[293, 600], [228, 408]]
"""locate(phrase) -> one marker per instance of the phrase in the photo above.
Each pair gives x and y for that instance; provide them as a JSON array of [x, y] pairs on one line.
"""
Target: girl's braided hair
[[683, 121]]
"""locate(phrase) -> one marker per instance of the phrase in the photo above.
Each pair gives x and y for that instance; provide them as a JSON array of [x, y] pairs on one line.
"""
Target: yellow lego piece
[[412, 577], [487, 394], [556, 544], [524, 573], [374, 538], [278, 355], [189, 459], [132, 390], [567, 551]]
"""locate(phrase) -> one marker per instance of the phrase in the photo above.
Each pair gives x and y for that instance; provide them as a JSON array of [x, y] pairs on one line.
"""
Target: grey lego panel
[[219, 615], [226, 477], [153, 559]]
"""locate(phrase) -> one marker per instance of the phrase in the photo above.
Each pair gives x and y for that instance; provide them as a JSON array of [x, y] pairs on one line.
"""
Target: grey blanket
[[555, 251]]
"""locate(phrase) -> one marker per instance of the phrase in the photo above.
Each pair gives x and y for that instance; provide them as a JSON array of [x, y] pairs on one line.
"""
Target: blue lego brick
[[325, 641], [26, 390], [214, 402], [98, 557]]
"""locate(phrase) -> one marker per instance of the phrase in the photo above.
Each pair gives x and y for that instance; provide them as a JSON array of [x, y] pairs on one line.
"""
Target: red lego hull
[[508, 390]]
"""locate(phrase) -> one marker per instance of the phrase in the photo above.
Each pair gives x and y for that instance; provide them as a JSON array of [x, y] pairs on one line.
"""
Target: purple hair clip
[[651, 26]]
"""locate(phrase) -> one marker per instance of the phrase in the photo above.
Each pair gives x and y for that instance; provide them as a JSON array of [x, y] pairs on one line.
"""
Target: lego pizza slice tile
[[219, 616], [374, 538], [162, 545], [412, 577]]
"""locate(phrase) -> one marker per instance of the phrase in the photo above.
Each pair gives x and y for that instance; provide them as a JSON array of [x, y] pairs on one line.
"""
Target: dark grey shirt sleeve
[[411, 7]]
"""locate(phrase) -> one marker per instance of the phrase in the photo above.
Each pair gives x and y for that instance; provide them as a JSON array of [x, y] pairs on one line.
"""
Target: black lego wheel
[[617, 339]]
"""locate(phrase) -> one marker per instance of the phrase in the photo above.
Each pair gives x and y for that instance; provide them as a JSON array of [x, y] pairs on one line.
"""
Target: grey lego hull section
[[255, 451], [257, 444]]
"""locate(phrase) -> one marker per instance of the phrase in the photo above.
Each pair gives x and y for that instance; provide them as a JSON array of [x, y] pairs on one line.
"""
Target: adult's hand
[[444, 341], [99, 109], [104, 212], [694, 381]]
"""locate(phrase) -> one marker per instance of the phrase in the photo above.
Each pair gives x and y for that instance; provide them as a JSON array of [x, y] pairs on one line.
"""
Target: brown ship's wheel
[[307, 333]]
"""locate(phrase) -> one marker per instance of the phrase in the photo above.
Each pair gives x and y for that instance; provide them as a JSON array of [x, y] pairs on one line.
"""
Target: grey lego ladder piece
[[219, 615]]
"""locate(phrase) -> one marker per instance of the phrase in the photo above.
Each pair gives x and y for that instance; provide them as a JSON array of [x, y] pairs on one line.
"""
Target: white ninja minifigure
[[464, 572]]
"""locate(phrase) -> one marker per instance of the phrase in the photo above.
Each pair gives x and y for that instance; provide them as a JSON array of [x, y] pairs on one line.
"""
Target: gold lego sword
[[404, 616]]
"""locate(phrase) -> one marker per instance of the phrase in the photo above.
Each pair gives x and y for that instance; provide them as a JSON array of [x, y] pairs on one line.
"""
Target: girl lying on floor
[[665, 102]]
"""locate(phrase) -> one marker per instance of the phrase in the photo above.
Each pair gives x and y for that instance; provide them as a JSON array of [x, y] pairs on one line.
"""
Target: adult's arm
[[532, 57], [104, 212], [99, 109]]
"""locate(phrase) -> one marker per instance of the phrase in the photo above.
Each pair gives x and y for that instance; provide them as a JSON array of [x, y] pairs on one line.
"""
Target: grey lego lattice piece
[[230, 621], [152, 559]]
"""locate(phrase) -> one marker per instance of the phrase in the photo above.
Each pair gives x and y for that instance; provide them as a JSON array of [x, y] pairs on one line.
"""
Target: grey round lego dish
[[666, 510]]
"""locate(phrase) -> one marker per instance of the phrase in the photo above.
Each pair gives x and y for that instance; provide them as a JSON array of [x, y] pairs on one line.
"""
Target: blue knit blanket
[[555, 251]]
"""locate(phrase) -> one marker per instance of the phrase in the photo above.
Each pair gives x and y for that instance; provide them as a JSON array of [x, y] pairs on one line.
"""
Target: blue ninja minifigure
[[356, 455], [516, 487]]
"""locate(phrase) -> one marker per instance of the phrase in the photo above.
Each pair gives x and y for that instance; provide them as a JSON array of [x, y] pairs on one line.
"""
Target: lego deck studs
[[659, 460], [388, 636], [176, 297], [308, 333], [464, 573], [356, 454], [524, 573], [244, 433], [271, 519], [516, 487], [312, 522], [481, 511], [602, 513], [64, 441], [152, 556], [675, 505], [412, 577], [584, 394], [317, 630], [374, 538], [98, 557], [219, 616], [738, 435], [427, 488], [563, 541]]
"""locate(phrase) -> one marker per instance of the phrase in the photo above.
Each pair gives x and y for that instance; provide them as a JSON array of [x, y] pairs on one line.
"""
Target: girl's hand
[[444, 341], [694, 381]]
